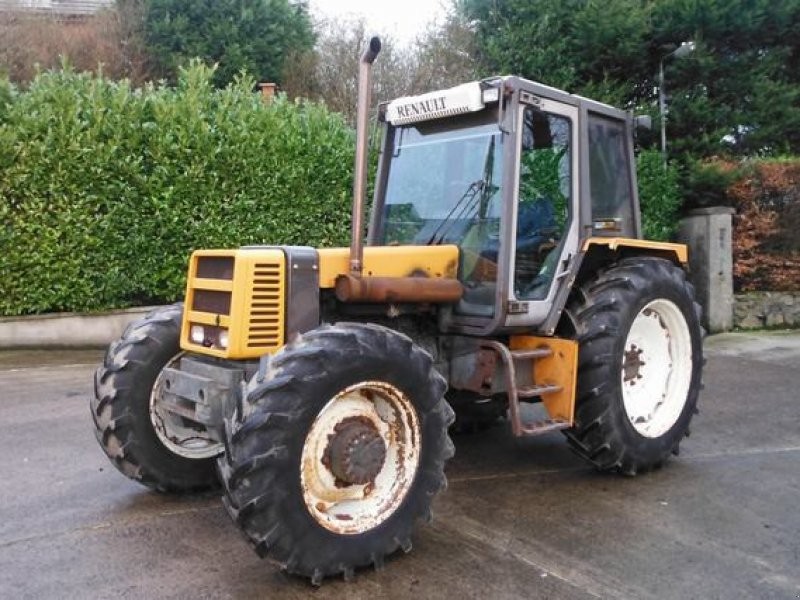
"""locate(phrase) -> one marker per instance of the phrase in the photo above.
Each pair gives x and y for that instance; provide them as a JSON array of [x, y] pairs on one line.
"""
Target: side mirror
[[644, 122]]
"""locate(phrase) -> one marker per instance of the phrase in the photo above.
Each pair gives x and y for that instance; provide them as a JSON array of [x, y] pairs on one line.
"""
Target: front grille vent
[[266, 315]]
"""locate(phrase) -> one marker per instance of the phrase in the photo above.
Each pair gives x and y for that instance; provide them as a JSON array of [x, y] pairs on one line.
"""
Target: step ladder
[[524, 358]]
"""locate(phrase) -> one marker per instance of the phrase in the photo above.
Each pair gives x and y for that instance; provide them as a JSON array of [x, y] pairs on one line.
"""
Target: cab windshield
[[444, 187], [444, 180]]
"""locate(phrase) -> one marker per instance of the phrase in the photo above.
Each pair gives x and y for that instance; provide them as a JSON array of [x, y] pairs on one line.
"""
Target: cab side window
[[545, 185], [610, 178]]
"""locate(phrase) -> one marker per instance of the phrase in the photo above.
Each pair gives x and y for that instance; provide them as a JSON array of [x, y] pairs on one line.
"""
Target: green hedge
[[659, 196], [105, 190]]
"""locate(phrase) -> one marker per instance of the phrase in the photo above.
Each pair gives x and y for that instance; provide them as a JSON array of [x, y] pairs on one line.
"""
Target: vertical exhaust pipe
[[362, 138]]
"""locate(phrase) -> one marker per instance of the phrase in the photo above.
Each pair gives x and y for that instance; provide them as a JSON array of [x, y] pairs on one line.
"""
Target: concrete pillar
[[707, 232]]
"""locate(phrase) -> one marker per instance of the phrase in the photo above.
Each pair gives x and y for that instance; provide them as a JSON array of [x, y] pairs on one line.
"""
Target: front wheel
[[639, 366], [155, 447], [339, 448]]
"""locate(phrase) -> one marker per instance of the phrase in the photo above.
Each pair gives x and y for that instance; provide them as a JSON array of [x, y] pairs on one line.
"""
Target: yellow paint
[[560, 368], [252, 295], [202, 318], [390, 261], [241, 324], [614, 243], [217, 285]]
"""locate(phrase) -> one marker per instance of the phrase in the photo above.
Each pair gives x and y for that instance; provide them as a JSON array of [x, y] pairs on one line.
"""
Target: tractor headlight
[[197, 334], [222, 339]]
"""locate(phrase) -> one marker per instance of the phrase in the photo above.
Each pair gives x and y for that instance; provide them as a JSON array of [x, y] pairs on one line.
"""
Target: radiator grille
[[265, 330]]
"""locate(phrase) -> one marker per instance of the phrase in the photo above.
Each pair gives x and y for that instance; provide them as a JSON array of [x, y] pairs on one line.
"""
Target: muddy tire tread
[[600, 311], [260, 469], [119, 417]]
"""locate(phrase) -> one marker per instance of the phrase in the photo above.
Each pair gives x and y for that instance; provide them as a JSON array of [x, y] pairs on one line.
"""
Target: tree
[[440, 57], [576, 45], [106, 42], [329, 71], [738, 93], [238, 35], [445, 54]]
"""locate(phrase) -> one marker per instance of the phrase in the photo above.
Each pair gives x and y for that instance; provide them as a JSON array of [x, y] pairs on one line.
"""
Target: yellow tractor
[[503, 268]]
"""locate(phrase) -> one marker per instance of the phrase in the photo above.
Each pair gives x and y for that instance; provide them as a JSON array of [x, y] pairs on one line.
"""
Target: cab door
[[545, 207]]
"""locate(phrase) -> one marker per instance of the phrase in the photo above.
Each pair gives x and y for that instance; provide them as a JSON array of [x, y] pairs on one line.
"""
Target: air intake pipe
[[352, 287], [362, 137]]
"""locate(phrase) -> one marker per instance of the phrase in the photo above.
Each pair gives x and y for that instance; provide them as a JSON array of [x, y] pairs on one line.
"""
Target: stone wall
[[67, 330], [766, 309]]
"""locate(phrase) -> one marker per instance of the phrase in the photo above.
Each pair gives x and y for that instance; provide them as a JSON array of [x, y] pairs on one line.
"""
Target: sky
[[402, 19]]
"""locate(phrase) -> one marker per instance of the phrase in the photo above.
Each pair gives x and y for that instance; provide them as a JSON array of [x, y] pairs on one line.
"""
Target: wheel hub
[[179, 434], [632, 364], [356, 451], [360, 457]]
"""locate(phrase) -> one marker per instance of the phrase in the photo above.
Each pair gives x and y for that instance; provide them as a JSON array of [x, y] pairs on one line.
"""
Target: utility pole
[[681, 51]]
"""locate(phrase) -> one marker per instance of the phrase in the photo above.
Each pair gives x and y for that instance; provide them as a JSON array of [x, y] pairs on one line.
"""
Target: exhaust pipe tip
[[360, 174], [371, 52]]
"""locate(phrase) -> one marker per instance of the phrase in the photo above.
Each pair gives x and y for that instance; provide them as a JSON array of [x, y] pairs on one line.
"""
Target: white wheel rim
[[179, 435], [352, 508], [656, 368]]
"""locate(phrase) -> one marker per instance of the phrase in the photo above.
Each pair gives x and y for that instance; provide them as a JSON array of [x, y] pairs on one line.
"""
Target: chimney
[[267, 90]]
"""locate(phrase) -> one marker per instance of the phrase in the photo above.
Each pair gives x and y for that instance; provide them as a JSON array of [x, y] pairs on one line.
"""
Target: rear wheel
[[640, 364], [338, 450], [146, 443]]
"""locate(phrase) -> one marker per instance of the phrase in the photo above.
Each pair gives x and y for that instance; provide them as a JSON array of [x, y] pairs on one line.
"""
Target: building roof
[[64, 8]]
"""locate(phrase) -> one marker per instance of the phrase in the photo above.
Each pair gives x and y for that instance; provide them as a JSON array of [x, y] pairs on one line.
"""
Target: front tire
[[339, 449], [639, 366], [122, 409]]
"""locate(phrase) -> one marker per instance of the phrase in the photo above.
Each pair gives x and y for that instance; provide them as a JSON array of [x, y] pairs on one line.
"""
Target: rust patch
[[412, 429], [485, 368], [418, 272], [398, 289], [379, 426], [355, 452], [632, 364]]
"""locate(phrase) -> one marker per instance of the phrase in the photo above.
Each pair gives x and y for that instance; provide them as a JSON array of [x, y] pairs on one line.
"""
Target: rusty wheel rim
[[360, 457], [179, 435]]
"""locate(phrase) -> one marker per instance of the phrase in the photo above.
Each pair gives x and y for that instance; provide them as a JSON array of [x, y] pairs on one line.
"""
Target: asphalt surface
[[521, 518]]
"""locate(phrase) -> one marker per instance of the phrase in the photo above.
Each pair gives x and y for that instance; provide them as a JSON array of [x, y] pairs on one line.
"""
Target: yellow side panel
[[257, 305], [260, 280], [560, 368], [390, 261], [679, 250]]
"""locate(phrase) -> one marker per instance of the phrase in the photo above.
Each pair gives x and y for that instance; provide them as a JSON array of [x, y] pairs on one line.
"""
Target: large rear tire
[[122, 409], [639, 365], [339, 449]]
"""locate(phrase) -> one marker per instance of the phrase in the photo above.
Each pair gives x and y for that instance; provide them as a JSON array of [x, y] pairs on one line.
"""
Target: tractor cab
[[492, 167]]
